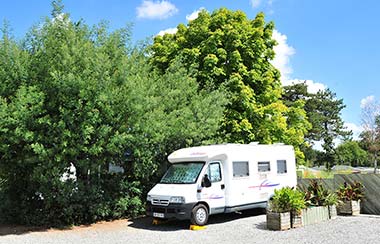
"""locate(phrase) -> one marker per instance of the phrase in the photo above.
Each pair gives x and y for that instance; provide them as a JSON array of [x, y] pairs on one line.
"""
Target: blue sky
[[331, 44]]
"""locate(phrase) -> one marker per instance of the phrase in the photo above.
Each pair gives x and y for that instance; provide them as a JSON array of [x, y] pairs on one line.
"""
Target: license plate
[[158, 215]]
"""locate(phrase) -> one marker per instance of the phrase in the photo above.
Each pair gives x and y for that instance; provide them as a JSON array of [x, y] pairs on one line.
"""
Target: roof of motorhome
[[203, 153]]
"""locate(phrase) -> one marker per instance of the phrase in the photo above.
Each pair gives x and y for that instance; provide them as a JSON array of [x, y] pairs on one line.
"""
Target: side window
[[281, 167], [240, 169], [263, 166], [214, 172]]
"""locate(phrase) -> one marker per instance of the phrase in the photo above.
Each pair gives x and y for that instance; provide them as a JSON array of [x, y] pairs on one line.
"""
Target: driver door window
[[214, 172]]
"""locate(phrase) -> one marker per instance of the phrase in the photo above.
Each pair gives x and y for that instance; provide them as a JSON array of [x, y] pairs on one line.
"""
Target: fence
[[371, 182]]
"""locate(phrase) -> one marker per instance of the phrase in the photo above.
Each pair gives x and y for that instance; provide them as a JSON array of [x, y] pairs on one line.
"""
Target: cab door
[[214, 195]]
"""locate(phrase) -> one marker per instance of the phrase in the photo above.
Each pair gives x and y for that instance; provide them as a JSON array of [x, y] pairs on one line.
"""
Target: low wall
[[371, 182]]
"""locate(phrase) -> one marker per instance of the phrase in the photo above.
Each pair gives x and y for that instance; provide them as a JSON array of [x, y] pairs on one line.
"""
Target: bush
[[317, 195], [73, 95], [351, 192], [287, 199]]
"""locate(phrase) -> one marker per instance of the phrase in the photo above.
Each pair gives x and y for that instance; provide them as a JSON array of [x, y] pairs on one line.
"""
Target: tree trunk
[[375, 164]]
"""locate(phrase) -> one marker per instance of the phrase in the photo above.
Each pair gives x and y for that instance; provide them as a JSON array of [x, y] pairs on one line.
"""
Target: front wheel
[[199, 215]]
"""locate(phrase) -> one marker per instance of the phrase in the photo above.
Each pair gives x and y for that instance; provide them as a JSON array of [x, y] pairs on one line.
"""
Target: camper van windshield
[[182, 173]]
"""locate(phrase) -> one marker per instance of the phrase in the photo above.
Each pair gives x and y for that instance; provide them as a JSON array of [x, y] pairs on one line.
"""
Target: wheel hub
[[201, 215]]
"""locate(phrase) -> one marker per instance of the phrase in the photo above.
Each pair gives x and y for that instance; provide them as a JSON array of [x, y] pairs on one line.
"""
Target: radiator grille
[[160, 202]]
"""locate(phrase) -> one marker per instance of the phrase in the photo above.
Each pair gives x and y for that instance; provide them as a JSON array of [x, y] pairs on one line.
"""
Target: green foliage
[[323, 111], [71, 95], [351, 191], [332, 199], [287, 199], [350, 153], [317, 195], [227, 50]]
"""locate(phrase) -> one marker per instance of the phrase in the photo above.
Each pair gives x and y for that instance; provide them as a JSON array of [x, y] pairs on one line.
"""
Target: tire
[[199, 215]]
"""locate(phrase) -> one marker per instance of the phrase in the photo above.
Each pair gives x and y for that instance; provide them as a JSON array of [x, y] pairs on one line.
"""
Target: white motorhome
[[224, 178]]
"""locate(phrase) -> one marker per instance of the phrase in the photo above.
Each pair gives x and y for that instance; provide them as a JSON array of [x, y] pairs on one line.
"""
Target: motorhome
[[213, 179]]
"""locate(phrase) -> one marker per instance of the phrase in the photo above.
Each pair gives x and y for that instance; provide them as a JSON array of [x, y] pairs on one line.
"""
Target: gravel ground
[[249, 227]]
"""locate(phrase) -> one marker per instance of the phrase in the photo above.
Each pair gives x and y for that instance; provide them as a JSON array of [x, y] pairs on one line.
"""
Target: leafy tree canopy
[[229, 51], [350, 153], [78, 96], [323, 111]]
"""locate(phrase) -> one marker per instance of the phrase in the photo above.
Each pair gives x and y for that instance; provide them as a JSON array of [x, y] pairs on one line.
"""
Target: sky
[[330, 44]]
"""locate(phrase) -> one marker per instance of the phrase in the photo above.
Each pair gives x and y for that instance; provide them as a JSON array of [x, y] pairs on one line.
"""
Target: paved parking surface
[[249, 227]]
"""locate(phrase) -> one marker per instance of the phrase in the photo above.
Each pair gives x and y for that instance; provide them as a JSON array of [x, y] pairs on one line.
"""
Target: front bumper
[[173, 210]]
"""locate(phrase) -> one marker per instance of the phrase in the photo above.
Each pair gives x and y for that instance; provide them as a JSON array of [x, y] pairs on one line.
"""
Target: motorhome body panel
[[256, 188]]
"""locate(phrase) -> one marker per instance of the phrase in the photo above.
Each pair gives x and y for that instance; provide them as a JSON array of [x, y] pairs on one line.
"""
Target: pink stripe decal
[[265, 183]]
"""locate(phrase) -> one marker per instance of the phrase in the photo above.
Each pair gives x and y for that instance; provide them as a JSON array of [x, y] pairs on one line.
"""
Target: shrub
[[72, 95], [351, 192], [317, 195], [287, 199]]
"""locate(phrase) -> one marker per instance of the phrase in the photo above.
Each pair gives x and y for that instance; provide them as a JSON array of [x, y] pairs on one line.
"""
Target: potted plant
[[332, 201], [278, 212], [285, 201], [297, 205], [350, 195], [317, 199]]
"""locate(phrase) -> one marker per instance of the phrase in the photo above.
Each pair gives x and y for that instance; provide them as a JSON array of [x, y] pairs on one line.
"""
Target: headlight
[[177, 199], [149, 198]]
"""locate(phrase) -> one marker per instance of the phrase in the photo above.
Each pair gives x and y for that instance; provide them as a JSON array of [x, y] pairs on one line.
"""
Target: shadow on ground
[[20, 230], [176, 225], [138, 223]]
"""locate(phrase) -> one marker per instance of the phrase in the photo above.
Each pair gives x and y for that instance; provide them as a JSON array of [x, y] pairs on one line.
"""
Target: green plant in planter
[[317, 195], [297, 201], [287, 199], [351, 192], [285, 204], [280, 202], [350, 195], [332, 199]]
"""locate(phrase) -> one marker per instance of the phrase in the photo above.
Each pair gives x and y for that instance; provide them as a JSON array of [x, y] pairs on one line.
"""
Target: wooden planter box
[[296, 220], [278, 221], [332, 212], [315, 215], [349, 208]]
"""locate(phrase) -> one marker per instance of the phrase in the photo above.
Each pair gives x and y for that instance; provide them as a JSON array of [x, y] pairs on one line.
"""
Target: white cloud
[[283, 53], [167, 31], [317, 145], [367, 100], [194, 14], [255, 3], [356, 129], [312, 86], [282, 63], [156, 9], [266, 4]]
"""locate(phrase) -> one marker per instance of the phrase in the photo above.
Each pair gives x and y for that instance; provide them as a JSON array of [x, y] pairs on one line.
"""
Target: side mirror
[[206, 181]]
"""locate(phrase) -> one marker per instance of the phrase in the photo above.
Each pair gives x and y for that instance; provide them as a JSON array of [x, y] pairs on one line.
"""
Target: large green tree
[[72, 96], [323, 110], [325, 116], [231, 52], [350, 152]]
